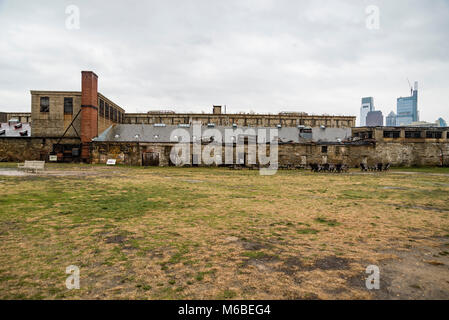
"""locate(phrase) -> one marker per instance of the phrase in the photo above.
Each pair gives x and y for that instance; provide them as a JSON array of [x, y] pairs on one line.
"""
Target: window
[[102, 108], [106, 111], [434, 134], [115, 115], [413, 134], [45, 104], [111, 113], [119, 119], [324, 149], [68, 105], [392, 134]]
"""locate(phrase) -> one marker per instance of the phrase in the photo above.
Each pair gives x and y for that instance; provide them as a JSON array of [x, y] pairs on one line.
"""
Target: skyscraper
[[367, 106], [391, 119], [441, 122], [407, 108], [375, 119]]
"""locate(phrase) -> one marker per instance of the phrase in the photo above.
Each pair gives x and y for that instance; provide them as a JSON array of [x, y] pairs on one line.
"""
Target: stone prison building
[[86, 126]]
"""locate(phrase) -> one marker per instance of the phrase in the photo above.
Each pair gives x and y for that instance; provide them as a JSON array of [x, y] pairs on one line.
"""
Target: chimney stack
[[89, 111]]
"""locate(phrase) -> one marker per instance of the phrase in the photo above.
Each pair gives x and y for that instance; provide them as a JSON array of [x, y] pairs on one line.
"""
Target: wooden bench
[[33, 166]]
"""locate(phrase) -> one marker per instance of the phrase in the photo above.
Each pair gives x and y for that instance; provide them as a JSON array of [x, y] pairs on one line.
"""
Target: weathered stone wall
[[55, 122], [31, 148], [412, 153], [397, 154]]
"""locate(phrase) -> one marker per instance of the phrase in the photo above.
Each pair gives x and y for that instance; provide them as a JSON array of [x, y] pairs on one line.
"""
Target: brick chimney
[[89, 111]]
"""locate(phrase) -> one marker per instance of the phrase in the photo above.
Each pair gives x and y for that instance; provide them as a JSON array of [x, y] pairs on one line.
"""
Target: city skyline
[[317, 57]]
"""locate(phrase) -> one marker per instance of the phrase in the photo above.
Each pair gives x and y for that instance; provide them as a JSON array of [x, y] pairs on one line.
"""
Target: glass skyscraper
[[391, 119], [407, 109], [367, 106]]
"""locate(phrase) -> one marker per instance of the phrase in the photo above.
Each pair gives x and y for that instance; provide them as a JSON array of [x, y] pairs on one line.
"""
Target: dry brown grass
[[168, 233]]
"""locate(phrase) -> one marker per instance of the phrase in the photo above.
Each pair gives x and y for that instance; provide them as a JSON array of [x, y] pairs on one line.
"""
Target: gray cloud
[[315, 56]]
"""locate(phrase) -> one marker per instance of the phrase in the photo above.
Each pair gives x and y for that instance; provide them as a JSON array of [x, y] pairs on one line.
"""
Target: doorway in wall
[[150, 159]]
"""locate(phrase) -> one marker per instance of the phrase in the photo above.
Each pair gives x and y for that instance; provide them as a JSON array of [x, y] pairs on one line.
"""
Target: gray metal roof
[[153, 134], [11, 131]]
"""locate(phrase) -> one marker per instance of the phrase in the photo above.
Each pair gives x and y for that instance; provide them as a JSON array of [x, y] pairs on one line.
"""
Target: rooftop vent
[[18, 126], [279, 126], [2, 132], [184, 125], [323, 127], [160, 125], [234, 125], [117, 136], [24, 133], [211, 125]]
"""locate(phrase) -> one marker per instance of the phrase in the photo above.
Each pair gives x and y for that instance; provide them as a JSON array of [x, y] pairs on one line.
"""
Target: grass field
[[169, 233]]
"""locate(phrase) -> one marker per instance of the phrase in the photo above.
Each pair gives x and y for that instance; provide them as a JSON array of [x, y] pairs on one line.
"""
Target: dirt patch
[[291, 266], [416, 274], [330, 263], [253, 246], [116, 239], [13, 173]]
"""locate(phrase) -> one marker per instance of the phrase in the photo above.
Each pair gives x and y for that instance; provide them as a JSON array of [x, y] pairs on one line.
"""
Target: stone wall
[[31, 148], [55, 122], [397, 154]]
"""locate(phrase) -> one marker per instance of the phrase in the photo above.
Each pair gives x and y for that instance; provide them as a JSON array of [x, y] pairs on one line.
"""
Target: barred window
[[434, 134], [102, 108], [45, 104], [392, 134], [106, 113], [68, 105], [413, 134]]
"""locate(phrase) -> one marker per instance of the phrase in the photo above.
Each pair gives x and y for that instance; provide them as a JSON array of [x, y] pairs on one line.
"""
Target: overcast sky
[[315, 56]]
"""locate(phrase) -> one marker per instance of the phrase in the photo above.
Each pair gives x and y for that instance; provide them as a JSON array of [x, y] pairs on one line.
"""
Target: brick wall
[[89, 110]]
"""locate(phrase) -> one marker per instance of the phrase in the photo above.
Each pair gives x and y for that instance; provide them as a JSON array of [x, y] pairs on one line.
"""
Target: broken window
[[412, 134], [392, 134], [434, 134], [324, 149], [45, 104], [68, 105]]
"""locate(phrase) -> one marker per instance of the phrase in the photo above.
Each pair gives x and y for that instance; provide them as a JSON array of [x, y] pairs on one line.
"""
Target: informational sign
[[111, 162], [53, 158]]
